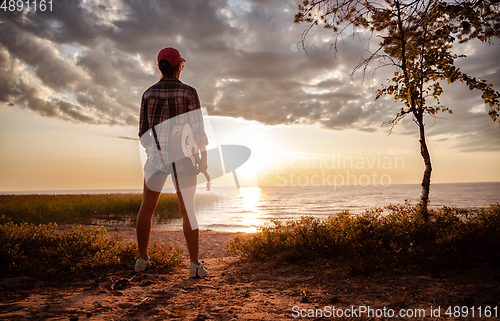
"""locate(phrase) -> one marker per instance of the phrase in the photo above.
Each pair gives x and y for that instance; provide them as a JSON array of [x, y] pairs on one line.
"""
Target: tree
[[417, 41]]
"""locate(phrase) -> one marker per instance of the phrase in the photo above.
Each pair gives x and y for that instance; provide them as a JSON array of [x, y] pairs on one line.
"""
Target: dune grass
[[364, 242], [453, 237], [30, 243], [87, 208], [40, 250]]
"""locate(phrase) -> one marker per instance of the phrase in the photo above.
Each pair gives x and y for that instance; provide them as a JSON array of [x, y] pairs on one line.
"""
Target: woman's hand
[[203, 166]]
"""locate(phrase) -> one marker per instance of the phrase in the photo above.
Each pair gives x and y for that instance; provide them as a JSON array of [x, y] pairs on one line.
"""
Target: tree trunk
[[426, 180]]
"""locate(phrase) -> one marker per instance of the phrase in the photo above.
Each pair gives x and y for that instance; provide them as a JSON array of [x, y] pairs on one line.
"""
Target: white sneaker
[[197, 270], [141, 265]]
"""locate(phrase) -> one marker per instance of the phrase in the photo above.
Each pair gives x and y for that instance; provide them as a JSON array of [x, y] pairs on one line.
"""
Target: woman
[[165, 104]]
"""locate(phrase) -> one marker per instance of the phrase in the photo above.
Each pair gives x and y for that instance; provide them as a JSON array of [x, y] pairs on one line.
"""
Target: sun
[[262, 140]]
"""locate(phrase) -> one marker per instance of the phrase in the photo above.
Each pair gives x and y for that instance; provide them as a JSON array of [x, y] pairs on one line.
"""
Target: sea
[[245, 209]]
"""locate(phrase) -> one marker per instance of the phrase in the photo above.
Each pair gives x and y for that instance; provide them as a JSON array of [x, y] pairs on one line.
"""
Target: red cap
[[171, 55]]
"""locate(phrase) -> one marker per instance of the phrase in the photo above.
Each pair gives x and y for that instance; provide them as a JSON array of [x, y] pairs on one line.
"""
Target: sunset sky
[[71, 81]]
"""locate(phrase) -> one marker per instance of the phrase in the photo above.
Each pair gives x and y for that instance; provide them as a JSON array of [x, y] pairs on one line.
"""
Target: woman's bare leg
[[145, 218], [186, 194]]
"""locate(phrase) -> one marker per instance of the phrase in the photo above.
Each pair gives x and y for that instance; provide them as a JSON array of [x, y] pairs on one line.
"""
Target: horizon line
[[139, 190]]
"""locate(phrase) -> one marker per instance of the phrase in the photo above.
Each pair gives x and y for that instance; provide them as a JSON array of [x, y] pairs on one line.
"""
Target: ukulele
[[183, 145]]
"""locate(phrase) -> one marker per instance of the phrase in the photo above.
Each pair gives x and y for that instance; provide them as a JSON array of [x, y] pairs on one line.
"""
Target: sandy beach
[[212, 243], [237, 289]]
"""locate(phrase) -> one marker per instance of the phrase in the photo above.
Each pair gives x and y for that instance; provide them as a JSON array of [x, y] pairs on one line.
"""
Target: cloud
[[89, 61]]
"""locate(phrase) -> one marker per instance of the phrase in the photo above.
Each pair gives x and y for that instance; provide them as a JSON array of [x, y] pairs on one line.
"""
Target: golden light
[[250, 198]]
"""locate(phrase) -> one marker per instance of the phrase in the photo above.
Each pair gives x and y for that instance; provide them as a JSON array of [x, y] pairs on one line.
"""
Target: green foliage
[[374, 238], [39, 249], [87, 208], [418, 37]]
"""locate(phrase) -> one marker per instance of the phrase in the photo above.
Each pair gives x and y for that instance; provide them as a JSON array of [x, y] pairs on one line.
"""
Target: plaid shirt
[[165, 104]]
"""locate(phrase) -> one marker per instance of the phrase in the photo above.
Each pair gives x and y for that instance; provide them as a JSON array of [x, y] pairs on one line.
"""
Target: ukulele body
[[184, 146]]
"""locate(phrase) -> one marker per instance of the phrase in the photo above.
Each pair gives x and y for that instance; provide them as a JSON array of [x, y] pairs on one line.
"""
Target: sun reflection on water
[[250, 198]]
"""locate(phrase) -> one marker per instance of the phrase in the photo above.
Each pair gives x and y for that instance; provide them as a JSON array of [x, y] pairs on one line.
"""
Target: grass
[[87, 208], [39, 250], [30, 243], [452, 237]]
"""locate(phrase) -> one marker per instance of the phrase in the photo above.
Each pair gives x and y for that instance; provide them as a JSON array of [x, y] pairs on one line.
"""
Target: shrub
[[39, 249], [376, 237]]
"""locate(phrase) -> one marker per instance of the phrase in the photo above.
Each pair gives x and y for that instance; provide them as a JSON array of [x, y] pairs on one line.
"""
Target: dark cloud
[[90, 61], [68, 22]]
